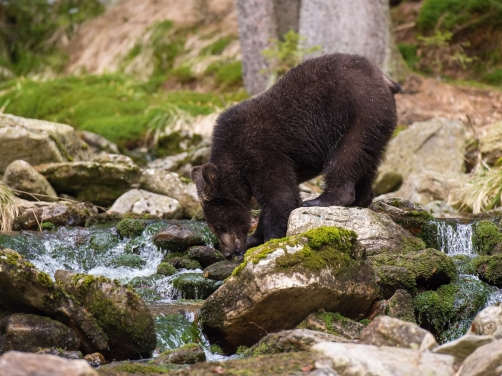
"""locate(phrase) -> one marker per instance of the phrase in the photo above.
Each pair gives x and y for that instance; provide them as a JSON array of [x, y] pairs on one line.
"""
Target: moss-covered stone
[[400, 306], [195, 286], [448, 312], [486, 235], [131, 227], [391, 278], [134, 368], [166, 269], [318, 249], [119, 311], [430, 267], [129, 260], [488, 268], [332, 323], [190, 353]]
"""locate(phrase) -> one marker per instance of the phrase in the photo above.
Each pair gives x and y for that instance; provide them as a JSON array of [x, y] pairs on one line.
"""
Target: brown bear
[[331, 115]]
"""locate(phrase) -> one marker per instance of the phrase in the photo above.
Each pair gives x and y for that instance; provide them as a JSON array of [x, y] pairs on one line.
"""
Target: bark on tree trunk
[[358, 26], [257, 25]]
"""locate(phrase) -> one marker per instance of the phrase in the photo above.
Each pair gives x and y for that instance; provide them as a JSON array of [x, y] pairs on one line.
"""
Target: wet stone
[[205, 255], [25, 332], [220, 270], [187, 354], [195, 286], [180, 235]]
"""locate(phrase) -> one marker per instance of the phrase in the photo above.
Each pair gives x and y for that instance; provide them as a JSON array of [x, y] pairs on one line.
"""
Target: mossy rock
[[175, 330], [291, 363], [166, 269], [121, 313], [448, 312], [486, 238], [430, 267], [126, 368], [128, 260], [391, 278], [190, 353], [220, 270], [103, 240], [400, 306], [195, 286], [131, 227], [332, 323], [488, 269], [324, 268], [205, 255]]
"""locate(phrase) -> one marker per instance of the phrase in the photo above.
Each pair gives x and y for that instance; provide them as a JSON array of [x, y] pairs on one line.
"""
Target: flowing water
[[100, 250], [455, 239]]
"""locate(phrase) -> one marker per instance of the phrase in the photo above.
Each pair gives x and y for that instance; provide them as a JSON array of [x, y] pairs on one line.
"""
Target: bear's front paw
[[253, 241], [315, 202]]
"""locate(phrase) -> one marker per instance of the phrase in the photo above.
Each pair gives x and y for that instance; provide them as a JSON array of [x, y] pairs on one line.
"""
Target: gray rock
[[260, 297], [389, 331], [179, 236], [221, 270], [291, 340], [187, 354], [488, 322], [170, 184], [484, 361], [490, 145], [349, 359], [142, 202], [435, 145], [66, 354], [98, 143], [464, 346], [376, 231], [427, 186], [15, 363], [35, 214], [205, 255], [441, 209], [120, 312], [38, 141], [100, 181], [28, 333], [400, 306], [168, 163], [333, 323], [20, 175], [25, 289]]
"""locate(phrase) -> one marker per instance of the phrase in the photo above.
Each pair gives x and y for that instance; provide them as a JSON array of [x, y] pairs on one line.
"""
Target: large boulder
[[100, 181], [376, 231], [323, 268], [435, 145], [170, 184], [21, 176], [485, 361], [488, 322], [29, 333], [139, 201], [27, 290], [179, 236], [38, 215], [38, 141], [120, 312], [16, 363], [490, 144], [367, 360]]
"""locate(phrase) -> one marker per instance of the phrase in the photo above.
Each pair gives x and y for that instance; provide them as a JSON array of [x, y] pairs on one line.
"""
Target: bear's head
[[226, 215]]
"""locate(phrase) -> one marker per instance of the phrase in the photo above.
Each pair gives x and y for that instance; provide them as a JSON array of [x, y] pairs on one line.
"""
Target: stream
[[100, 250]]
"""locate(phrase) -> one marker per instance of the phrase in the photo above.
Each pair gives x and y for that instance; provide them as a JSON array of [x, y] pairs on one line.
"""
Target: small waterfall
[[455, 238]]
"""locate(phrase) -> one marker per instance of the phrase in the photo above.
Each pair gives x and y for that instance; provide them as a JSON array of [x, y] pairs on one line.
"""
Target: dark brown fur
[[331, 115]]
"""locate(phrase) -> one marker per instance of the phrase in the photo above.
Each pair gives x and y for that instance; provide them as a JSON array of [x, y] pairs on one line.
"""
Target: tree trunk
[[257, 25], [358, 27]]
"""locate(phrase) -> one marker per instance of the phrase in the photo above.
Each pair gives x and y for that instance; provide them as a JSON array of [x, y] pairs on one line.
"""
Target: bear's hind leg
[[364, 192]]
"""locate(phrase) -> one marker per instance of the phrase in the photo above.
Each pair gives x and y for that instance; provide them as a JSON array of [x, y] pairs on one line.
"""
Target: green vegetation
[[286, 54], [320, 248], [47, 226], [32, 32], [449, 311], [166, 269], [488, 268], [130, 227], [486, 235]]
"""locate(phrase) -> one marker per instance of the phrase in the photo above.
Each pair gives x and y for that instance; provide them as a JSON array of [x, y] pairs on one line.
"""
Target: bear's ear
[[205, 178]]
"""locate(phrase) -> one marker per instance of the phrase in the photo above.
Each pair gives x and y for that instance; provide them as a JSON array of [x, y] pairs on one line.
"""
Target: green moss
[[392, 278], [166, 269], [320, 248], [449, 311], [486, 235], [47, 226], [365, 322], [136, 368], [241, 350], [488, 268], [44, 279], [129, 227], [429, 266], [194, 286], [215, 349]]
